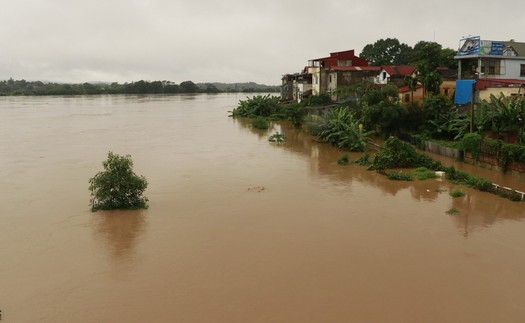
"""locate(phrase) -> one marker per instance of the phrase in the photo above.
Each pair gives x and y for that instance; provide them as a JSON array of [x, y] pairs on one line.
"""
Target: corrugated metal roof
[[482, 84], [518, 47]]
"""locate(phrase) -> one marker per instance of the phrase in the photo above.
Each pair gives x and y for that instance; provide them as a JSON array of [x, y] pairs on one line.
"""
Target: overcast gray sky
[[223, 40]]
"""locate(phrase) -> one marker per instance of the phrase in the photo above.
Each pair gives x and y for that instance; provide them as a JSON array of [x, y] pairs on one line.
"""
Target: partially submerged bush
[[277, 137], [457, 193], [257, 106], [117, 187], [343, 161], [341, 128], [423, 173], [398, 154], [260, 123], [399, 176]]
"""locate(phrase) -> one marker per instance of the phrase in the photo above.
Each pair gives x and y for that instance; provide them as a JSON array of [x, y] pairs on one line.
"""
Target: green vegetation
[[117, 187], [257, 106], [269, 106], [277, 137], [457, 193], [440, 189], [363, 160], [471, 144], [343, 161], [423, 173], [399, 176], [452, 211], [391, 52], [398, 154], [511, 153], [260, 123], [340, 128], [23, 87]]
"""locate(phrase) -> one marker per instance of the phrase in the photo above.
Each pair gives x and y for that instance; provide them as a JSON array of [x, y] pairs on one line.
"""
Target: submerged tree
[[117, 187]]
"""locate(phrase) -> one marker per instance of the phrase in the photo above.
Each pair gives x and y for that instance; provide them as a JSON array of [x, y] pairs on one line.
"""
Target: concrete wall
[[441, 150], [513, 68], [316, 79], [508, 91]]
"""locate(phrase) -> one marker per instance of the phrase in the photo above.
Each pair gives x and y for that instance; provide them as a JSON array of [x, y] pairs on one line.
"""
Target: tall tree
[[430, 55], [387, 52], [188, 87]]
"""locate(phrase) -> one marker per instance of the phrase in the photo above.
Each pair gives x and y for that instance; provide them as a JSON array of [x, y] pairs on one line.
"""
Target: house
[[345, 76], [287, 87], [319, 68], [449, 77], [409, 97], [487, 87], [490, 59], [394, 74], [493, 67]]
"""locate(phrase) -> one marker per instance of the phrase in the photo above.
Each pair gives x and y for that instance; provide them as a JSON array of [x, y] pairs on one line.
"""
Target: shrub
[[423, 173], [257, 106], [398, 154], [260, 123], [294, 113], [363, 160], [323, 98], [340, 127], [399, 176], [277, 137], [453, 211], [511, 153], [117, 187], [343, 161], [457, 193], [471, 144]]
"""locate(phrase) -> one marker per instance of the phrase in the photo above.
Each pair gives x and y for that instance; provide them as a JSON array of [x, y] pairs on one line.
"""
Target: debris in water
[[257, 189]]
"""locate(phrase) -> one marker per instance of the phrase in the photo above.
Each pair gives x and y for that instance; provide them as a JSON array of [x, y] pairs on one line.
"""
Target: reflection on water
[[119, 231]]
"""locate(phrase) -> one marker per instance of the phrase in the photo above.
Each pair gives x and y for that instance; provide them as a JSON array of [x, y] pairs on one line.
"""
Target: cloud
[[229, 41]]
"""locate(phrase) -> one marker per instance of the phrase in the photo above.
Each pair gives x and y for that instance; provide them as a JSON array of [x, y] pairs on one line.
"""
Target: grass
[[453, 211], [457, 193], [423, 173]]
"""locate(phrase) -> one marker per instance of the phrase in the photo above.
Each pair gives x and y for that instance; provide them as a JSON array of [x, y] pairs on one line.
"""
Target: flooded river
[[238, 229]]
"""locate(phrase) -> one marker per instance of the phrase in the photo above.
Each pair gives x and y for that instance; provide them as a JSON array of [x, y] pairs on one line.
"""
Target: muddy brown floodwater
[[238, 229]]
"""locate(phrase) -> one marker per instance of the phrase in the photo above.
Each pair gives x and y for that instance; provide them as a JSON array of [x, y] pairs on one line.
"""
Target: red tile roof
[[399, 70], [482, 84], [356, 68], [405, 89]]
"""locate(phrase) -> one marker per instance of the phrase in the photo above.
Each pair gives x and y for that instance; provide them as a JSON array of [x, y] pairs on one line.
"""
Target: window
[[445, 92], [407, 97], [522, 70]]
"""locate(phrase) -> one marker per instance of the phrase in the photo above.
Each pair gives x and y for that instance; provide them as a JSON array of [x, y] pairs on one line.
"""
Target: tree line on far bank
[[23, 87]]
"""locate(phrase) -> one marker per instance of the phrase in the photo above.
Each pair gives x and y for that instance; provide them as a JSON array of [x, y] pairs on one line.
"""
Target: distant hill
[[242, 87], [23, 87]]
